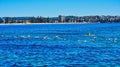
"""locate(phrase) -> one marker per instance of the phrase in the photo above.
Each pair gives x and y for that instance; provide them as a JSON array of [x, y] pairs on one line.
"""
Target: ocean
[[60, 45]]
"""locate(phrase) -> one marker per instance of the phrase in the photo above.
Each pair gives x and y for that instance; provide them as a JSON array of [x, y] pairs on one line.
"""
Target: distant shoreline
[[40, 23], [47, 23]]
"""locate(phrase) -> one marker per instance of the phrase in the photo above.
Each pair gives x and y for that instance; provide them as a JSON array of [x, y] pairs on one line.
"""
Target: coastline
[[49, 23], [40, 23]]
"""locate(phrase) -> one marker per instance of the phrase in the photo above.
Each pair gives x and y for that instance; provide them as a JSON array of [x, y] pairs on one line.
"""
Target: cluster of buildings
[[88, 19], [61, 19]]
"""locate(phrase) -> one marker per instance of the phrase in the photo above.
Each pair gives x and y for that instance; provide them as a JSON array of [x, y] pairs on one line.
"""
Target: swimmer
[[78, 40], [60, 37], [28, 36], [85, 41], [64, 38], [36, 37], [15, 36], [89, 34], [57, 36], [45, 37], [21, 36], [115, 40]]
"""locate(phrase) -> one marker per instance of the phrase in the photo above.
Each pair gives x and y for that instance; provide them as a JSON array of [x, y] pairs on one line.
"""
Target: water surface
[[60, 45]]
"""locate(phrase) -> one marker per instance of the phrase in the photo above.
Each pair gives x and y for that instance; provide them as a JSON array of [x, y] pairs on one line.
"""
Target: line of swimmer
[[62, 38]]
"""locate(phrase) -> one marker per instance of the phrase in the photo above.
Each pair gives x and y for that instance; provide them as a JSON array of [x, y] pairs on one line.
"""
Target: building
[[61, 18]]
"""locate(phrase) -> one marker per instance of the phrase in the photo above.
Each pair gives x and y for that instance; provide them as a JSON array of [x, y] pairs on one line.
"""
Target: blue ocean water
[[60, 45]]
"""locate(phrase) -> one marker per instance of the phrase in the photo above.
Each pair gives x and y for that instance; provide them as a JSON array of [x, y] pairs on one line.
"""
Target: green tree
[[13, 20], [6, 19], [48, 20], [40, 19], [32, 19], [1, 20]]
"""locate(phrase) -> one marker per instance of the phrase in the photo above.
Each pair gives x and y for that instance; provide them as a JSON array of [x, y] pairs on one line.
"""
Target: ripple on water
[[60, 45]]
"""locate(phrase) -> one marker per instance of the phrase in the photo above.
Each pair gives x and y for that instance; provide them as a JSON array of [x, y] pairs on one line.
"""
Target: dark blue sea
[[60, 45]]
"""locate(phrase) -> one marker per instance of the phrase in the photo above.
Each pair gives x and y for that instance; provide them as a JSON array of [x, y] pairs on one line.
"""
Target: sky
[[51, 8]]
